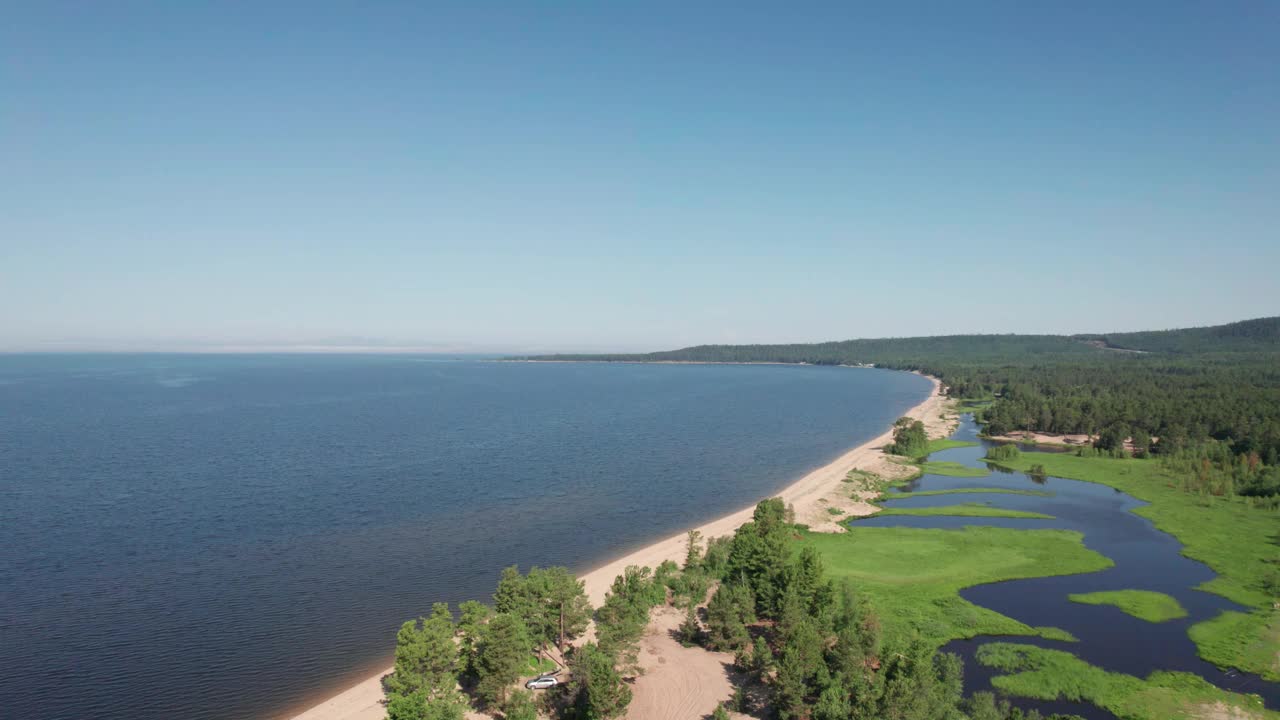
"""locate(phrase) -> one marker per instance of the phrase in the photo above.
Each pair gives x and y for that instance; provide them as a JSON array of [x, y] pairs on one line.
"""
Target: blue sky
[[490, 176]]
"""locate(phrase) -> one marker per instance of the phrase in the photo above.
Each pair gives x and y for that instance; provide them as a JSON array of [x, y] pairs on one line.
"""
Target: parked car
[[541, 682]]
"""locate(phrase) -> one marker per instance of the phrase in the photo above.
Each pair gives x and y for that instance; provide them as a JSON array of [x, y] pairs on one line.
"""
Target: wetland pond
[[1145, 559]]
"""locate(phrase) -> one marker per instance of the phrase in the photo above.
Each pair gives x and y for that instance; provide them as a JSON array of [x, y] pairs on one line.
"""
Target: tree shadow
[[385, 683]]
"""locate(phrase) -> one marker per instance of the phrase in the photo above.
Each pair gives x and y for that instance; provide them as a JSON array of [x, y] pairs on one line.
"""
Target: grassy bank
[[973, 405], [946, 444], [966, 510], [1248, 641], [913, 576], [1143, 604], [961, 491], [1237, 541], [1052, 674], [952, 469]]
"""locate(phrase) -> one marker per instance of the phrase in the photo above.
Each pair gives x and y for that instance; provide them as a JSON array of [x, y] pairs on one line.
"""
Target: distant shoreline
[[697, 362], [807, 495]]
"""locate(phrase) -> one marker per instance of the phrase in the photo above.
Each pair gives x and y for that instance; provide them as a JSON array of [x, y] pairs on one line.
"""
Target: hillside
[[1262, 334], [1248, 336], [1186, 386]]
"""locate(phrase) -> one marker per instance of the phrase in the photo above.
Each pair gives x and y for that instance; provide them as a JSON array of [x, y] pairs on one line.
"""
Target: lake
[[215, 537]]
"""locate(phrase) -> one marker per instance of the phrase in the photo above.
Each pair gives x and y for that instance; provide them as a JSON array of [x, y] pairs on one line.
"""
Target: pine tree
[[760, 554], [512, 594], [519, 706], [693, 555], [728, 613], [473, 617], [559, 608], [983, 706], [789, 688], [596, 690], [761, 657], [503, 652], [920, 683], [621, 621], [550, 601], [426, 658], [690, 630], [798, 665], [833, 703]]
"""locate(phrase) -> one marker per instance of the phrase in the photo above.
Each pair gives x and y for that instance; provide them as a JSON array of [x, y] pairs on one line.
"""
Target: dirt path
[[1222, 711], [677, 682]]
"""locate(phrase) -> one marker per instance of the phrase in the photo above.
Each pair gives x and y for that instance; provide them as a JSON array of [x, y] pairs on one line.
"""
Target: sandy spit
[[810, 496]]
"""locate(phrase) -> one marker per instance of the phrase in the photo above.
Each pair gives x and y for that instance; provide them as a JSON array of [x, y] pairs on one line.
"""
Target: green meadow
[[952, 469], [961, 491], [1143, 604], [966, 510], [913, 576], [1052, 674], [946, 444]]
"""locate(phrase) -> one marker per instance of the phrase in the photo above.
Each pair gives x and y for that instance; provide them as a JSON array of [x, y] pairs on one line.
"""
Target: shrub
[[1003, 452]]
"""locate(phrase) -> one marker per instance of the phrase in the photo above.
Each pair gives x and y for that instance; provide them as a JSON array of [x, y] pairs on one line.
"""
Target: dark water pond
[[1145, 559]]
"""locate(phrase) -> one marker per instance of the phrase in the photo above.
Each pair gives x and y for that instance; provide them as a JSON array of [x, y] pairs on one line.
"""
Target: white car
[[541, 683]]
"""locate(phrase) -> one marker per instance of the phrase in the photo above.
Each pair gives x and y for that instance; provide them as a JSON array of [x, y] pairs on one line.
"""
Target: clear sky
[[631, 175]]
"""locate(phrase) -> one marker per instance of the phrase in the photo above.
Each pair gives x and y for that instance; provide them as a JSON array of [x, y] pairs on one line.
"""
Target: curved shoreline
[[808, 495]]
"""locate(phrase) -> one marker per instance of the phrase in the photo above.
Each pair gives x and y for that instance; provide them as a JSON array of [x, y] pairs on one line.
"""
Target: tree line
[[811, 647], [807, 646], [1182, 390]]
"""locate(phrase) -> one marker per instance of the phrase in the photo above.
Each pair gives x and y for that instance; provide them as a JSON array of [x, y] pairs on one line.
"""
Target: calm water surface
[[1145, 559], [228, 537]]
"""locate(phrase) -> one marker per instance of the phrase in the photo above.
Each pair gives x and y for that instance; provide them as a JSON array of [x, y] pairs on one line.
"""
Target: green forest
[[1200, 395], [806, 643], [819, 627]]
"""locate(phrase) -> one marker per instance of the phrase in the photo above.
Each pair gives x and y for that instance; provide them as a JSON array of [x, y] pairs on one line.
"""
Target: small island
[[1143, 604]]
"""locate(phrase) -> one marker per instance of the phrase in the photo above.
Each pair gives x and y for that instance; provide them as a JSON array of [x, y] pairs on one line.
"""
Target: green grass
[[946, 444], [968, 405], [953, 469], [957, 491], [835, 511], [1237, 541], [537, 665], [864, 479], [1053, 633], [1143, 604], [966, 510], [913, 576], [1249, 640], [1052, 674]]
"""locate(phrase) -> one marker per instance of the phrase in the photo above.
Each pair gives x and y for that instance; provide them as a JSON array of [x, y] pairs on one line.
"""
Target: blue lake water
[[211, 537], [1145, 559]]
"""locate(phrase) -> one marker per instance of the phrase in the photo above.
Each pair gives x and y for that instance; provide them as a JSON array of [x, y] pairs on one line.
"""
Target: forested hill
[[1185, 386], [916, 353], [1248, 336], [1262, 335]]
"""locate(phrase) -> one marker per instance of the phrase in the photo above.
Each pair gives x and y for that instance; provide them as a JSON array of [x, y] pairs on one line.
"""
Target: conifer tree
[[690, 630], [693, 555], [519, 706], [473, 616], [504, 650], [596, 690], [426, 658]]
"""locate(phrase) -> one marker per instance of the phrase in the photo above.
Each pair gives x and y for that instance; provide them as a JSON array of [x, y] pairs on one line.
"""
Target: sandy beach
[[810, 496]]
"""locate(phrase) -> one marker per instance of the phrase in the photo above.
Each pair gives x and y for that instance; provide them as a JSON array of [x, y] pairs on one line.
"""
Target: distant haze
[[609, 177]]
